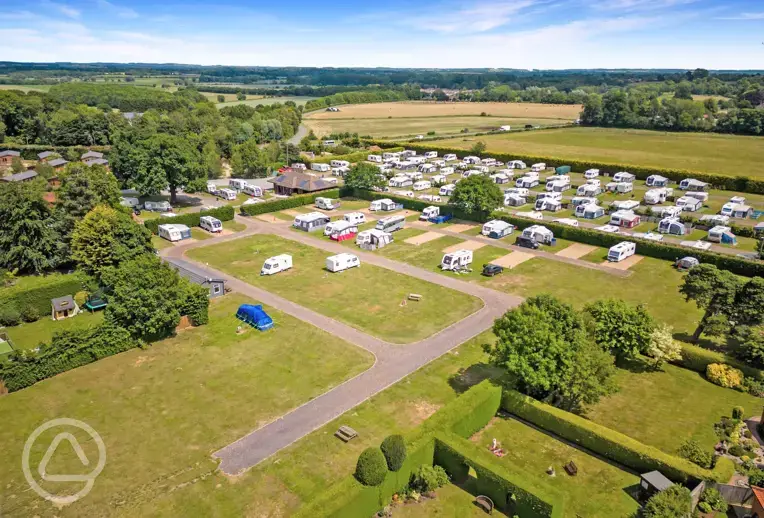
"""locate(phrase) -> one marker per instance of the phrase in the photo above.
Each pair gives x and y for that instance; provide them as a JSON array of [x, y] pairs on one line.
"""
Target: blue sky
[[429, 33]]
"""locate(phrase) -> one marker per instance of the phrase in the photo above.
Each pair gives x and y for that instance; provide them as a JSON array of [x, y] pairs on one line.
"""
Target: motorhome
[[624, 177], [253, 190], [340, 163], [311, 221], [621, 251], [431, 154], [656, 180], [158, 206], [447, 190], [429, 212], [458, 260], [321, 168], [391, 223], [400, 181], [341, 262], [356, 218], [174, 232], [537, 168], [496, 229], [327, 203], [373, 239], [540, 234], [527, 182], [422, 185], [588, 190], [689, 204], [450, 157], [625, 218], [516, 164], [657, 195], [226, 194], [211, 224], [589, 211], [276, 264], [237, 184], [672, 226], [591, 173], [374, 158], [691, 184]]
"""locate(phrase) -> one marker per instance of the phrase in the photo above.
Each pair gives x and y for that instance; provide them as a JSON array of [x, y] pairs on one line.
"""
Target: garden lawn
[[451, 502], [731, 155], [664, 408], [598, 490], [161, 411], [160, 243], [368, 297], [30, 335]]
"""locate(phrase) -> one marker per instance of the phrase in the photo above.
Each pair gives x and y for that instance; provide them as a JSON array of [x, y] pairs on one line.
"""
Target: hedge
[[697, 359], [287, 203], [510, 489], [729, 183], [609, 443], [191, 219], [358, 156], [39, 295], [410, 203], [645, 247]]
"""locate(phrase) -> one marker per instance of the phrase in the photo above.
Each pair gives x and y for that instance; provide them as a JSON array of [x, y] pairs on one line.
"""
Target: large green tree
[[364, 175], [477, 194], [83, 187], [168, 162], [248, 160], [621, 328], [713, 291]]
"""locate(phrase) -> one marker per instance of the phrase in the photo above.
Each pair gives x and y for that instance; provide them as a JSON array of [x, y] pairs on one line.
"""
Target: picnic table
[[345, 433]]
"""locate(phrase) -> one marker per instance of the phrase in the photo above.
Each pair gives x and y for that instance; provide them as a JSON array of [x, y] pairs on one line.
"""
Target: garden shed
[[653, 482], [64, 307]]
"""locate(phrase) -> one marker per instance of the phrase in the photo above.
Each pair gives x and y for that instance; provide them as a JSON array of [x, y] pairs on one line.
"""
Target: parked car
[[526, 242], [489, 270]]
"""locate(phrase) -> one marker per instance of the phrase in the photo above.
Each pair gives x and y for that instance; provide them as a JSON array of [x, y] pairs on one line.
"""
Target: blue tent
[[254, 316]]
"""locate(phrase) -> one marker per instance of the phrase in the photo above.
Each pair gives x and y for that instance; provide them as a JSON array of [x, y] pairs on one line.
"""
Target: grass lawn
[[234, 226], [451, 502], [664, 408], [707, 152], [200, 234], [266, 101], [26, 88], [160, 243], [161, 411], [30, 335], [367, 297], [599, 488]]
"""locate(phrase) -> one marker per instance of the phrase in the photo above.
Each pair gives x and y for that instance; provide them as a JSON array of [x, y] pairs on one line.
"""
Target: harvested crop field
[[447, 109]]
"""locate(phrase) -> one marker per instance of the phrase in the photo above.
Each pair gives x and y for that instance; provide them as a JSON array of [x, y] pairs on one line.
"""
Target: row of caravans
[[177, 232], [334, 263]]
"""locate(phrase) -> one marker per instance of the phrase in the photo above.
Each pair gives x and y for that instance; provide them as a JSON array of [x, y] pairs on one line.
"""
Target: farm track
[[392, 362]]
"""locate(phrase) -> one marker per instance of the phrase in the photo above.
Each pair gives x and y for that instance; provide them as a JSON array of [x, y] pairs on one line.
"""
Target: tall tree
[[477, 195], [713, 291], [83, 187], [621, 328], [748, 308], [364, 175], [248, 161], [169, 162]]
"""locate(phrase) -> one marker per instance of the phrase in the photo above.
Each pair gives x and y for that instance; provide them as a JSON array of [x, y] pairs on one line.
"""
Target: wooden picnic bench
[[345, 433], [415, 296], [571, 468], [485, 503]]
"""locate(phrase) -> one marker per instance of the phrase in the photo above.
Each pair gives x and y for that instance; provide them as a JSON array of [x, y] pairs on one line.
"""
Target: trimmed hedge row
[[358, 156], [286, 203], [609, 443], [729, 183], [510, 489], [645, 247], [191, 219], [408, 203], [38, 297], [697, 359]]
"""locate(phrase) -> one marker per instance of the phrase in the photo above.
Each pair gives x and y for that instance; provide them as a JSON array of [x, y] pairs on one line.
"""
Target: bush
[[286, 203], [394, 450], [428, 478], [9, 316], [692, 451], [739, 450], [723, 375], [674, 502], [38, 292], [30, 314], [737, 412], [371, 467], [191, 219], [756, 478], [713, 499]]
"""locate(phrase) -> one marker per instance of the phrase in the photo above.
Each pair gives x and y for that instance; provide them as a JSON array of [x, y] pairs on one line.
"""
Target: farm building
[[64, 307], [656, 180], [624, 218], [311, 221], [296, 182], [58, 163], [216, 287], [91, 155], [672, 226], [7, 156], [691, 184]]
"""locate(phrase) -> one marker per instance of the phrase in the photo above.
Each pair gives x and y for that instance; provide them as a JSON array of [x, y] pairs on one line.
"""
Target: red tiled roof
[[758, 493]]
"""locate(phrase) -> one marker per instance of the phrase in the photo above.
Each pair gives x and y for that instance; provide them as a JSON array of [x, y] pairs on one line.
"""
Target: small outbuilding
[[64, 307], [652, 483]]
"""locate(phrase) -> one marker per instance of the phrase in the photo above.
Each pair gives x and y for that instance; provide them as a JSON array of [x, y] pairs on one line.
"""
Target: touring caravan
[[700, 195], [722, 235], [236, 184], [548, 204], [373, 239], [276, 264], [557, 184], [422, 185], [527, 182], [174, 232], [253, 190], [356, 218], [516, 164], [539, 234], [496, 229], [339, 163], [736, 210], [427, 168], [374, 158], [500, 178], [624, 218], [691, 184], [537, 168], [582, 200], [212, 187], [429, 197], [438, 179], [414, 175], [211, 224], [391, 223], [429, 212], [445, 171], [656, 180], [589, 211], [431, 154], [400, 181], [226, 194], [385, 204], [657, 195], [489, 162], [450, 157], [625, 204], [321, 168], [387, 156], [591, 173], [672, 226], [455, 261], [335, 226], [327, 203], [624, 177], [341, 230], [514, 200], [619, 187], [471, 160], [566, 221], [670, 211], [713, 220], [447, 190], [621, 251], [689, 204], [341, 262], [588, 190], [127, 201], [311, 221]]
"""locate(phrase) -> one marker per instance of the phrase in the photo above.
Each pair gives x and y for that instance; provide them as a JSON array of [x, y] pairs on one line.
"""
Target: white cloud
[[122, 12], [637, 5], [64, 9], [478, 18], [745, 16]]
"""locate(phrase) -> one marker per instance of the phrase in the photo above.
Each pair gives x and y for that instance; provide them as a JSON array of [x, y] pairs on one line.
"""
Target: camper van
[[226, 194], [253, 190], [356, 218], [311, 221], [496, 229], [236, 184], [429, 212], [374, 158], [391, 223], [450, 157], [373, 239], [539, 234], [339, 163], [624, 218], [341, 262], [447, 190], [537, 168], [211, 224], [157, 206], [689, 204], [276, 264], [422, 185], [591, 173], [321, 168], [621, 251], [457, 260], [174, 232], [624, 177], [431, 154], [327, 203]]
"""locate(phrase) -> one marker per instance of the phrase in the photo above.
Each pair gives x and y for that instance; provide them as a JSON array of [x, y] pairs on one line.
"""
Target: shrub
[[9, 316], [371, 467], [738, 450], [30, 314], [286, 203], [723, 375], [394, 450], [692, 451], [191, 219], [674, 502], [428, 478], [756, 478], [737, 412], [81, 297], [39, 292], [713, 499]]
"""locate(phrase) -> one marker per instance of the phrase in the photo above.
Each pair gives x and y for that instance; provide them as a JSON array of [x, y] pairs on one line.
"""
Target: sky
[[540, 34]]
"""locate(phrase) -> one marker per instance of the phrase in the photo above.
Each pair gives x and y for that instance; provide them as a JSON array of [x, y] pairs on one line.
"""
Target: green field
[[707, 152], [30, 335], [265, 101], [161, 411], [26, 88]]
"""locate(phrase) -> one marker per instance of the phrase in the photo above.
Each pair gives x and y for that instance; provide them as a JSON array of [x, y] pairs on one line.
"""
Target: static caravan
[[341, 262], [621, 251], [527, 182], [400, 181], [450, 157], [625, 204], [226, 194], [656, 180], [516, 164], [342, 232], [447, 190], [447, 171], [237, 184], [722, 235], [496, 229], [537, 168], [588, 190], [321, 168], [624, 177], [540, 234], [276, 264], [174, 232], [391, 223], [427, 168], [514, 200], [311, 221], [471, 160], [589, 211], [548, 204], [457, 260], [582, 200], [672, 226], [500, 178], [340, 163], [157, 206], [374, 158], [327, 203], [211, 224], [558, 184], [373, 239], [488, 162], [689, 204], [566, 221], [624, 218], [431, 154], [702, 196], [253, 190], [414, 175], [659, 195], [429, 212], [591, 173], [691, 184], [422, 185]]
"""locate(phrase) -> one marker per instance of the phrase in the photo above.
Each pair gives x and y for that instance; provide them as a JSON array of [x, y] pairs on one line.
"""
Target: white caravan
[[429, 212], [621, 251], [356, 218], [211, 224], [457, 260], [341, 262], [276, 264], [237, 184], [327, 203]]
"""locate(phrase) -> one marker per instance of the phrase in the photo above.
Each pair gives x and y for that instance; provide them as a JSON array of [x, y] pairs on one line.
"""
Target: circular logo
[[88, 479]]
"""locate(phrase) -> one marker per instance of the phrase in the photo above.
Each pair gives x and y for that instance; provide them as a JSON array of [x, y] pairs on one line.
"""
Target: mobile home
[[211, 224], [447, 190], [691, 184], [391, 223], [624, 177], [496, 229], [540, 234], [236, 184], [311, 221], [457, 260], [422, 185], [174, 232], [656, 180], [276, 264], [722, 235], [624, 218], [689, 204], [672, 226], [341, 262], [621, 251]]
